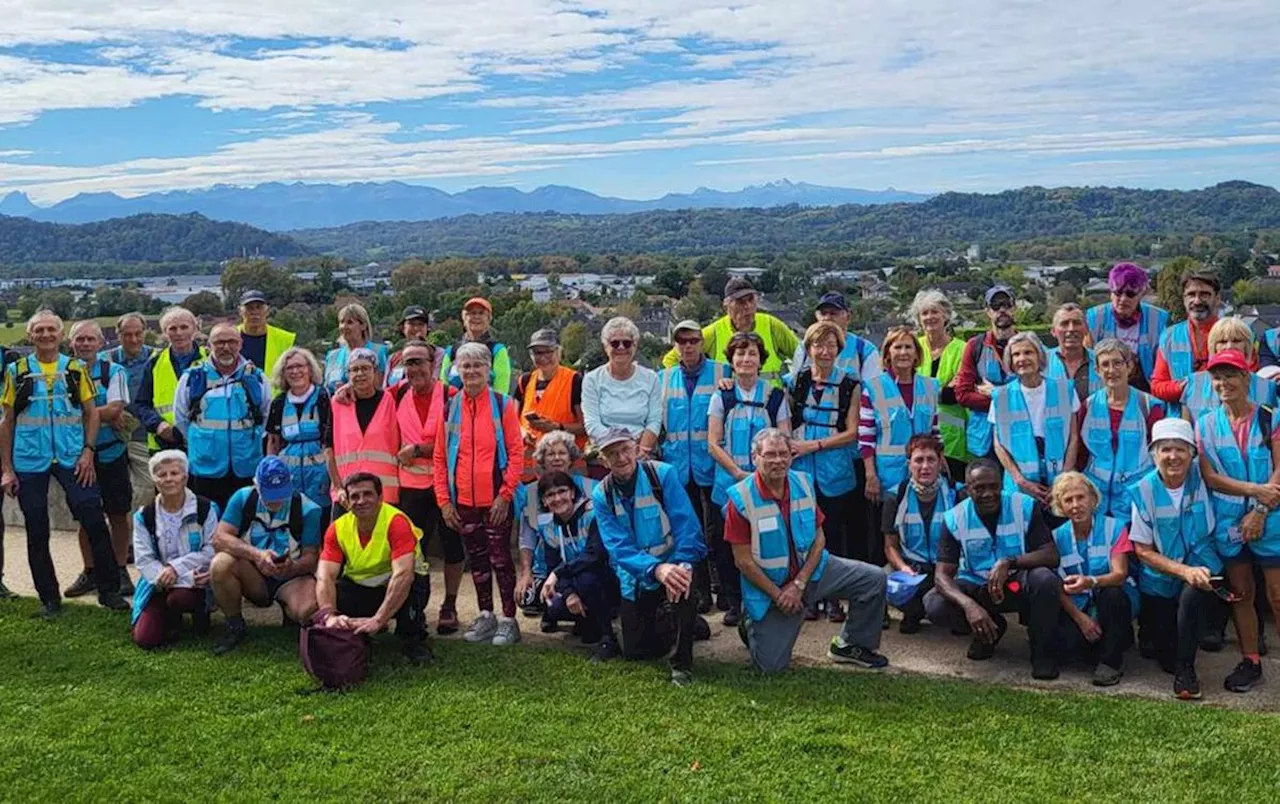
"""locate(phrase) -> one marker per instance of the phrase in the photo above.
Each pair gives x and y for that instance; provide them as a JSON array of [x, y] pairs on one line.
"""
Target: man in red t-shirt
[[774, 526], [371, 570]]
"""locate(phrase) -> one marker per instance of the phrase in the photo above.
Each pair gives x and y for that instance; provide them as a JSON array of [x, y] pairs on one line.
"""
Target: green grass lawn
[[86, 716]]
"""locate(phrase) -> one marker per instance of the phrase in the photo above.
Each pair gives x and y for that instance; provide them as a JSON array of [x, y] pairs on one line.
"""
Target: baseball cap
[[413, 312], [1173, 430], [687, 324], [253, 296], [900, 587], [996, 290], [544, 338], [738, 287], [1230, 358], [835, 300], [614, 435], [477, 300], [273, 480]]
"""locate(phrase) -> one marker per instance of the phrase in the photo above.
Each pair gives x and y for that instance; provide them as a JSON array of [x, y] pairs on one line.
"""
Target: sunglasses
[[1003, 305], [1127, 293], [414, 361], [688, 341], [622, 344]]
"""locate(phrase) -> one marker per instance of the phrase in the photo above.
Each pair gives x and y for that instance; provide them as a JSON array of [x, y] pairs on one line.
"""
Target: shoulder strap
[[197, 387], [401, 390], [728, 399], [248, 513], [651, 472], [149, 519], [800, 393], [295, 518], [1264, 424], [844, 401], [776, 397], [203, 505], [72, 378]]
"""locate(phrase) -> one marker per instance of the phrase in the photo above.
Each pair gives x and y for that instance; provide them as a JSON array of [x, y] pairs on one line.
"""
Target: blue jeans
[[85, 503]]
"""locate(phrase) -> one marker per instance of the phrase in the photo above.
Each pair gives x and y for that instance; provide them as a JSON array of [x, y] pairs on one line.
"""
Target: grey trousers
[[772, 639]]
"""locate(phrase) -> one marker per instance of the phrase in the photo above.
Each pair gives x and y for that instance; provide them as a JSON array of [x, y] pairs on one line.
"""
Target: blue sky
[[637, 98]]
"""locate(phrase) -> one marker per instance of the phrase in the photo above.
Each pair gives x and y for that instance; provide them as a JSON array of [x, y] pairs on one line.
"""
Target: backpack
[[729, 399], [27, 382], [844, 400], [249, 514], [203, 505], [335, 657], [198, 386], [655, 483]]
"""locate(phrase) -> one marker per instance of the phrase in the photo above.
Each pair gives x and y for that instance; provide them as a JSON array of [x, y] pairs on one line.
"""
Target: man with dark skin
[[997, 555]]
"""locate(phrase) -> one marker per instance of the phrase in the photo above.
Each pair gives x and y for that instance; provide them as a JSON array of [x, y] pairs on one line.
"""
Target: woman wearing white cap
[[1172, 534]]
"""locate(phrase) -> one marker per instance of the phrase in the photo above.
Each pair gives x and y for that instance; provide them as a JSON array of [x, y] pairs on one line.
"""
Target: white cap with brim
[[614, 435], [688, 324], [1173, 429]]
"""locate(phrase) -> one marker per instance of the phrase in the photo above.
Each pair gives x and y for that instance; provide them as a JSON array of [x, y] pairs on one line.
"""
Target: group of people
[[1129, 472]]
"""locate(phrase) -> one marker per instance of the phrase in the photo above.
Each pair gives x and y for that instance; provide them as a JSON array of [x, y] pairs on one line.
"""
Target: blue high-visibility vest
[[684, 421], [748, 417], [979, 548], [49, 426], [769, 543], [1218, 442], [335, 363], [917, 543], [1114, 469], [832, 469], [541, 520], [1057, 368], [1152, 320], [1092, 556], [991, 370], [303, 451], [110, 447], [896, 424], [648, 525], [1198, 397], [1183, 534], [224, 436], [1014, 429]]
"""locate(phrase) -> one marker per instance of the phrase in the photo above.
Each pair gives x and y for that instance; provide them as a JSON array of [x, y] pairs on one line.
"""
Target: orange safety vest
[[372, 451], [556, 404], [412, 431]]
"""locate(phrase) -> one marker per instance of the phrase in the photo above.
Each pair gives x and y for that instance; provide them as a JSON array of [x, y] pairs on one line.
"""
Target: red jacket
[[477, 452]]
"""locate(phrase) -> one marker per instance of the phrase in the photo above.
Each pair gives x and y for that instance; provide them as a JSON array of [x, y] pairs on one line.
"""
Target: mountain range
[[279, 207]]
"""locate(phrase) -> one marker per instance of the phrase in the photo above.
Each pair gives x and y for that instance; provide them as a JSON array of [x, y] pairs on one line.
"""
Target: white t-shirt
[[1130, 335], [1139, 533], [1035, 407]]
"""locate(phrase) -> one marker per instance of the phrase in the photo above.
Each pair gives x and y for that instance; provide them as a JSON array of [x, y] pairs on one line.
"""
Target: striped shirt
[[867, 429]]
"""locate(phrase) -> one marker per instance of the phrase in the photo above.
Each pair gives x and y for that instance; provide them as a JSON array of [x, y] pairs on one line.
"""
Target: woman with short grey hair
[[943, 353], [622, 393]]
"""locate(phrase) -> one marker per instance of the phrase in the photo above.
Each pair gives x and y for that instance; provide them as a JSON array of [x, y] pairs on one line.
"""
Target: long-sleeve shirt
[[173, 543], [619, 535], [1163, 385], [182, 398], [967, 378], [869, 427], [143, 405], [634, 403], [593, 555], [478, 452]]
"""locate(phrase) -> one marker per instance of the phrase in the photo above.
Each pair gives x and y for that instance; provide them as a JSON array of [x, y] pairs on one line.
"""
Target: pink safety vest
[[412, 431], [372, 451]]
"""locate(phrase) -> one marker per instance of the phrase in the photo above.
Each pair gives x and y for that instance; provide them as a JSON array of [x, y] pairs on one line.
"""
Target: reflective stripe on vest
[[1175, 345], [302, 451], [979, 550], [830, 468], [1057, 367], [684, 421], [771, 371], [453, 439], [110, 447], [1198, 396], [373, 450], [224, 437], [1182, 534], [1014, 429], [1101, 320], [952, 419], [989, 370], [370, 564], [1113, 469], [419, 473], [1222, 450], [164, 385], [51, 428], [915, 543], [1096, 561], [895, 424]]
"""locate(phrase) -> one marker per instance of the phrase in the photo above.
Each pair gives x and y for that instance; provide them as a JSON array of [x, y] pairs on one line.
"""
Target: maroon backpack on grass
[[336, 657]]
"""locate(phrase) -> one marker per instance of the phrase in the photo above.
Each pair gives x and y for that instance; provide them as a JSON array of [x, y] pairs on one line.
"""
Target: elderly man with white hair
[[133, 353], [623, 393], [49, 430], [111, 461], [220, 408], [173, 547], [153, 404]]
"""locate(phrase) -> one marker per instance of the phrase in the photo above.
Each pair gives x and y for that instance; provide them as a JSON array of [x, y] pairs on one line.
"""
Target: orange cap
[[474, 300]]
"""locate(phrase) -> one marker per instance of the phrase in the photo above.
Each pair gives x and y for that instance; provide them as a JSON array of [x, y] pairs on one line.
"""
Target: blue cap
[[900, 587], [833, 299], [273, 480]]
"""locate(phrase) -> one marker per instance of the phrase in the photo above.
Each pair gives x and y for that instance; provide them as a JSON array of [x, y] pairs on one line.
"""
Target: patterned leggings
[[489, 550]]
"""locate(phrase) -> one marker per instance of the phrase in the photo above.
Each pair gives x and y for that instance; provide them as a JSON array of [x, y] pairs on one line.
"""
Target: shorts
[[420, 506], [274, 585], [116, 485], [1247, 556]]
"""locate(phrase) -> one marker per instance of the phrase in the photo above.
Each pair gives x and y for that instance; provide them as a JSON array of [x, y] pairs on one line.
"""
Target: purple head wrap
[[1128, 276]]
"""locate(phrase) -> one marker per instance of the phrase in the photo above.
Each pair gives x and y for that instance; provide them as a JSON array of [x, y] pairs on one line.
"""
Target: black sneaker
[[855, 655], [5, 592], [732, 617], [81, 586], [910, 624], [231, 639], [1213, 643], [722, 602], [980, 651], [113, 601], [605, 649], [548, 626], [742, 633], [417, 652], [126, 583], [1045, 669], [49, 611], [704, 602], [1185, 684], [1245, 677], [701, 629]]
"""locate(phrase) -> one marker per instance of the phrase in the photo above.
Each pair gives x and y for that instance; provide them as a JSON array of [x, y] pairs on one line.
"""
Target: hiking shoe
[[81, 586], [980, 651], [732, 617], [1213, 643], [1185, 684], [1106, 676], [482, 628], [5, 592], [722, 602], [548, 626], [835, 612], [681, 678], [605, 650], [448, 622], [126, 583], [1045, 669], [113, 601], [701, 629], [1245, 677], [704, 602], [855, 655], [811, 612], [742, 633], [49, 611], [910, 624], [507, 632], [231, 639], [417, 652]]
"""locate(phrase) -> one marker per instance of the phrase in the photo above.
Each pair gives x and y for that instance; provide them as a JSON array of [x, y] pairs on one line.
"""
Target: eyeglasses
[[414, 361], [1126, 292], [688, 341], [621, 344]]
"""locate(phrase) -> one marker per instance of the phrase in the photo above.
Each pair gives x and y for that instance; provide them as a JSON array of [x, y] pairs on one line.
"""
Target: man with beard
[[981, 369], [1130, 319], [1184, 347]]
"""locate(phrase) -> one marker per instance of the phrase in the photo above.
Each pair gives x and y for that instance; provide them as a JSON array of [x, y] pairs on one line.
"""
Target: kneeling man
[[372, 571], [267, 545], [774, 527]]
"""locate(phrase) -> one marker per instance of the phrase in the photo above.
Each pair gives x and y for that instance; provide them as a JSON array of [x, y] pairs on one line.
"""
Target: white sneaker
[[508, 632], [482, 628]]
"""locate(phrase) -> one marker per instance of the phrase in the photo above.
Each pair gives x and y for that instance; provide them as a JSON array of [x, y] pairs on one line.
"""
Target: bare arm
[[274, 444], [893, 552], [6, 439], [397, 588], [308, 558], [226, 539], [1073, 443], [89, 416], [326, 585], [715, 432], [944, 580], [1154, 559]]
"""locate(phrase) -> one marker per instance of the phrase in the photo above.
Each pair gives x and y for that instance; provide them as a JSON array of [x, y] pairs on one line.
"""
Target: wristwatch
[[1259, 508], [799, 583]]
